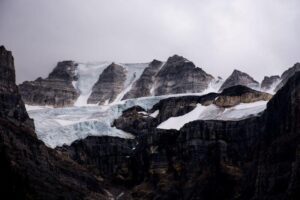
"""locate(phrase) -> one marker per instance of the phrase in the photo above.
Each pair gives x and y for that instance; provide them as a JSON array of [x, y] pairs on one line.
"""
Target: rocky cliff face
[[269, 81], [179, 75], [11, 104], [287, 75], [30, 170], [254, 158], [57, 90], [109, 85], [144, 86], [102, 154], [239, 78]]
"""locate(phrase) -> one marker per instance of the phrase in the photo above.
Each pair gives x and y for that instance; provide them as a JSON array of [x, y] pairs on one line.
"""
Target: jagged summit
[[64, 70], [72, 83], [13, 109], [239, 78], [176, 58], [7, 60], [269, 82], [3, 50], [288, 74], [178, 75]]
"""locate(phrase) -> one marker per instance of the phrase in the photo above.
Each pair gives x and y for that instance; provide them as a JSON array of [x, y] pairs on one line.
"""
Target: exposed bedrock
[[176, 106], [180, 75], [269, 81], [145, 84], [239, 78], [56, 90], [11, 105], [109, 85], [254, 158], [286, 75], [240, 94]]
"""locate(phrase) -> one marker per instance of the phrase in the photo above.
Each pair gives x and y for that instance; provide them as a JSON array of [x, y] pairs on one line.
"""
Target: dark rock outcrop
[[269, 81], [176, 106], [136, 121], [30, 170], [254, 158], [142, 87], [287, 74], [57, 90], [240, 94], [102, 154], [275, 168], [109, 85], [11, 105], [239, 78], [179, 75]]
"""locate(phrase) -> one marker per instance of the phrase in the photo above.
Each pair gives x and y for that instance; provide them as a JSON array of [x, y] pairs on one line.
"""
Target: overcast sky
[[260, 37]]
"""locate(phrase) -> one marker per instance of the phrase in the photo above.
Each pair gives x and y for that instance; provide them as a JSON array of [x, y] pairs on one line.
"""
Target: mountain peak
[[268, 82], [288, 74], [239, 78], [236, 71], [2, 48], [176, 58], [155, 62], [64, 70], [14, 109]]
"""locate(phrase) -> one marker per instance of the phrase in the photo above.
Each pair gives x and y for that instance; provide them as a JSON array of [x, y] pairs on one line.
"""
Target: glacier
[[59, 126], [88, 74]]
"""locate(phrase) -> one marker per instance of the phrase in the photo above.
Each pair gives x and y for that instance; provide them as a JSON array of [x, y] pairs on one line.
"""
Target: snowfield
[[213, 112]]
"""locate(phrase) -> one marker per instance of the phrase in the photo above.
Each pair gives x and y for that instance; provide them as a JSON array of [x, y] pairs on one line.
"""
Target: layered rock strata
[[145, 85], [109, 85], [239, 78], [56, 90], [180, 75]]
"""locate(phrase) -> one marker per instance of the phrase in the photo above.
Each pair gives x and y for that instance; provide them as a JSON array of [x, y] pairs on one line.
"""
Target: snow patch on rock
[[213, 112]]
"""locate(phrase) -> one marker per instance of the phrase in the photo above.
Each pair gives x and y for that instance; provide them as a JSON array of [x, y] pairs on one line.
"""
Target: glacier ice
[[59, 126], [88, 75]]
